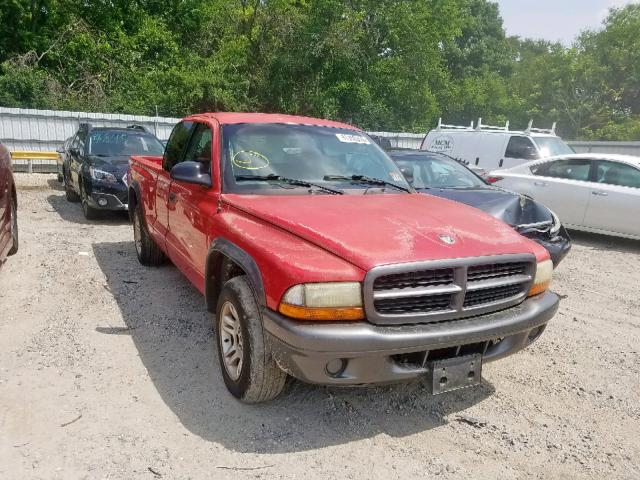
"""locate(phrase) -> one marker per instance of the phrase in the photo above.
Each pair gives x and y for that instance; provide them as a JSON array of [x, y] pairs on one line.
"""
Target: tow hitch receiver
[[455, 373]]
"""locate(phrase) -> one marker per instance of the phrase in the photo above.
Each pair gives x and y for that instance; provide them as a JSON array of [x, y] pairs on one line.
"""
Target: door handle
[[172, 197], [540, 184], [600, 194]]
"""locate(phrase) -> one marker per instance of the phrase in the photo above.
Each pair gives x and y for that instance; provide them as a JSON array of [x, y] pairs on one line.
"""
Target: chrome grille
[[446, 289]]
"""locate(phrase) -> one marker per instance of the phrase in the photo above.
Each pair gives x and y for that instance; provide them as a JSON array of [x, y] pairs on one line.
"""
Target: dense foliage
[[381, 64]]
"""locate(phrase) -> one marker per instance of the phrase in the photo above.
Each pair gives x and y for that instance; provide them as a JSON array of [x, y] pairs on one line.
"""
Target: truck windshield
[[552, 146], [324, 156], [105, 143]]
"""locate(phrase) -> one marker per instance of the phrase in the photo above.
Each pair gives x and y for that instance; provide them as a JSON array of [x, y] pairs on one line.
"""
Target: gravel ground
[[108, 370]]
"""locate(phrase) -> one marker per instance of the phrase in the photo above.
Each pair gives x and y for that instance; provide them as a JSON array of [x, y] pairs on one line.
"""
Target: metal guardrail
[[44, 162]]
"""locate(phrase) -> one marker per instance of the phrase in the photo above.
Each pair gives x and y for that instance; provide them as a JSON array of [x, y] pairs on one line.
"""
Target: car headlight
[[323, 301], [544, 273], [102, 176]]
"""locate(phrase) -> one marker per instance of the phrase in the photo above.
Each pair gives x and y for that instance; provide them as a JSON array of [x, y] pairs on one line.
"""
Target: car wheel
[[90, 213], [148, 252], [248, 368], [69, 192], [14, 228]]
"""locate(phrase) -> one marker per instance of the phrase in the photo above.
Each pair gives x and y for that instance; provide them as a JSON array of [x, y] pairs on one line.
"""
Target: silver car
[[591, 192]]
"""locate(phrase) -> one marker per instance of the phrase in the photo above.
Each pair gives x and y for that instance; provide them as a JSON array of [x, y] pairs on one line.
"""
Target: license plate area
[[455, 373]]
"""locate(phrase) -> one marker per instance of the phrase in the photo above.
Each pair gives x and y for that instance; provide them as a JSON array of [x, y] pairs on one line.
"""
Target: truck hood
[[372, 230]]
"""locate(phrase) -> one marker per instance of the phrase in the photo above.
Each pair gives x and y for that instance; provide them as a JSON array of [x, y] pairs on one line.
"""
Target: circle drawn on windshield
[[249, 160]]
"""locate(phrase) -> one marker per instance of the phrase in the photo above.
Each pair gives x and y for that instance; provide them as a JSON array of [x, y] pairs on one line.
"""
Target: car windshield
[[552, 146], [436, 171], [105, 143], [256, 157]]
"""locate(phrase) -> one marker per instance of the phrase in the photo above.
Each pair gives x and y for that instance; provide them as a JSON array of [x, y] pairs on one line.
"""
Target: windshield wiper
[[367, 180], [290, 181]]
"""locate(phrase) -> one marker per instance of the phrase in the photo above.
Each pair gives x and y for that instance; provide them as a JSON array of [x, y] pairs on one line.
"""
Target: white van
[[493, 148]]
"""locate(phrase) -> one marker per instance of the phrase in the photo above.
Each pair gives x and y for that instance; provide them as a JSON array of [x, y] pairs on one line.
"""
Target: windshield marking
[[248, 162]]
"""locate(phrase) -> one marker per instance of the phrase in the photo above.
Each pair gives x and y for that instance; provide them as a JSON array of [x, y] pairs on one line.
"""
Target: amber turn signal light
[[321, 313]]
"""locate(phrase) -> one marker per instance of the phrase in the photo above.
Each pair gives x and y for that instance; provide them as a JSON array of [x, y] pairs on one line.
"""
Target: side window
[[615, 173], [174, 150], [199, 149], [521, 147], [567, 169]]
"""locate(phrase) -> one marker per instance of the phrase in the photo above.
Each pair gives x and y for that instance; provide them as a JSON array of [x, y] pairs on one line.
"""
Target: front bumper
[[368, 353], [116, 199]]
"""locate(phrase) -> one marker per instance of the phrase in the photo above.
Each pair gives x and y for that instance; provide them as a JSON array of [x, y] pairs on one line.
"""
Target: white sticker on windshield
[[347, 138], [396, 176]]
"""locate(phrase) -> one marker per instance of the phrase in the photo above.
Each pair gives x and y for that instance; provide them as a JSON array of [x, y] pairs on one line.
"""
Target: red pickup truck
[[321, 262]]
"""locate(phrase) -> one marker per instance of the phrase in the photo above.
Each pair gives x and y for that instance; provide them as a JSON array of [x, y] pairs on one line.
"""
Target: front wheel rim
[[230, 333]]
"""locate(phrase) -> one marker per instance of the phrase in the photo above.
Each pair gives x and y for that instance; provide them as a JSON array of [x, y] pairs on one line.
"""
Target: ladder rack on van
[[442, 126], [493, 128], [550, 131]]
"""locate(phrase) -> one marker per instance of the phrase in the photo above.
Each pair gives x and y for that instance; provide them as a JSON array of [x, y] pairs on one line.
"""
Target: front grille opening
[[495, 270], [415, 359], [458, 351], [425, 278], [420, 359], [489, 295], [398, 306]]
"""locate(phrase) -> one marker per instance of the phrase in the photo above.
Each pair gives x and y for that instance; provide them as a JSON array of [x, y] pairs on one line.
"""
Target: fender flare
[[135, 187], [220, 248]]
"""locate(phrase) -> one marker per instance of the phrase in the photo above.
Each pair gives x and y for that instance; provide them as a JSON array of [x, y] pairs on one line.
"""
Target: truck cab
[[494, 147], [319, 261]]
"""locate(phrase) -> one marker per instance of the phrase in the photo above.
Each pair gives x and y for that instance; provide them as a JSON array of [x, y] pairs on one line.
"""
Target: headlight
[[555, 228], [541, 283], [323, 301], [102, 176]]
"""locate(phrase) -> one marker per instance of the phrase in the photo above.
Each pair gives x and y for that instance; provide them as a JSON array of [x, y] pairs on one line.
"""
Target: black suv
[[96, 165]]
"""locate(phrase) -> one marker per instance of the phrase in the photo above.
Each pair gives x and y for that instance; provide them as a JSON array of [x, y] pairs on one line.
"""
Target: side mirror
[[408, 173], [191, 172], [75, 151]]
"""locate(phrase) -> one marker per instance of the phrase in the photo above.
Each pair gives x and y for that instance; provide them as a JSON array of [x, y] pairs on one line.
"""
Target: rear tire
[[248, 368], [14, 228], [148, 253], [70, 194]]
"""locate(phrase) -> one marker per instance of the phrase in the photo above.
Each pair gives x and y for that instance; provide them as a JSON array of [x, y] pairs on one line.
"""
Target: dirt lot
[[108, 370]]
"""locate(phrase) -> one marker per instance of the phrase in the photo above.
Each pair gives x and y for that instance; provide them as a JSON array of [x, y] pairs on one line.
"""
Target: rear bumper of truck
[[360, 353]]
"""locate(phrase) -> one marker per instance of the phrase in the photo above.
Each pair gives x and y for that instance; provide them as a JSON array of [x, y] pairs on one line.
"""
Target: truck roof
[[501, 132], [226, 118]]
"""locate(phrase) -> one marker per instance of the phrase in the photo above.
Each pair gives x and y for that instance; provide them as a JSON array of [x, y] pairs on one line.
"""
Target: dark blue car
[[440, 175], [96, 164]]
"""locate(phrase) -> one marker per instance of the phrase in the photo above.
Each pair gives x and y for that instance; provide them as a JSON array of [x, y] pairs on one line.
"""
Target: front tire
[[148, 253], [89, 212], [248, 368], [14, 228]]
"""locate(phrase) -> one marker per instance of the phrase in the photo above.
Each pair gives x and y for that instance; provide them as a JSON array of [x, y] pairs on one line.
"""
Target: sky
[[555, 20]]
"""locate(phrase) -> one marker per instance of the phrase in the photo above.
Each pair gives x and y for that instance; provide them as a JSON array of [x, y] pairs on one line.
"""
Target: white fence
[[46, 130], [623, 148]]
